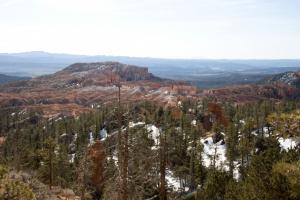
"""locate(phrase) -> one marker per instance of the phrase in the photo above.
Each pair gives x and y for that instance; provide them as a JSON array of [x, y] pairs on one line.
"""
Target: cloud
[[8, 3]]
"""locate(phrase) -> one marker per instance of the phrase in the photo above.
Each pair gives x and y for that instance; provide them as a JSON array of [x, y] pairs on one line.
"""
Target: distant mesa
[[82, 86], [122, 71]]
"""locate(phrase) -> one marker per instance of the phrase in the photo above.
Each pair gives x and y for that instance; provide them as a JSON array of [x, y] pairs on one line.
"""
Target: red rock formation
[[79, 87]]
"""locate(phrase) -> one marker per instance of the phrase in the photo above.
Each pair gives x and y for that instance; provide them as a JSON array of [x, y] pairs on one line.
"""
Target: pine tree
[[232, 142], [285, 180], [49, 162], [162, 153], [215, 185]]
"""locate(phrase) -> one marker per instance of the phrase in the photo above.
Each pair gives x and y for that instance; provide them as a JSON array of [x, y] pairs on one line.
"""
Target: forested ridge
[[196, 150]]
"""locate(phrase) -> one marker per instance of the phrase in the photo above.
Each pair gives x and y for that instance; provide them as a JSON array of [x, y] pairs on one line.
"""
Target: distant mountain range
[[205, 73]]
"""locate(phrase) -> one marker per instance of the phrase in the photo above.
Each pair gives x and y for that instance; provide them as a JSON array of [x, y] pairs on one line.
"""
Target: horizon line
[[142, 57]]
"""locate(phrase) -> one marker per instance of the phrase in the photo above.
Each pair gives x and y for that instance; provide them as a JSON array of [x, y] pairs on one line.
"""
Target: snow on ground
[[72, 159], [285, 144], [218, 150], [242, 122], [288, 143], [136, 90], [103, 134], [22, 112], [114, 157], [152, 129], [169, 98], [191, 110], [132, 124], [179, 103], [91, 138], [236, 173], [58, 119], [194, 122], [63, 135], [172, 181], [210, 149], [154, 92], [99, 88], [72, 146], [266, 132], [154, 134]]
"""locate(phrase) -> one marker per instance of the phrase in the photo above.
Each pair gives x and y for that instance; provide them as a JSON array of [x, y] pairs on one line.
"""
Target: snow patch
[[285, 144], [266, 132], [172, 181], [132, 124], [99, 88], [194, 122], [218, 150], [154, 133], [91, 138], [210, 150], [242, 122], [179, 103], [72, 159], [103, 134], [288, 143], [63, 135]]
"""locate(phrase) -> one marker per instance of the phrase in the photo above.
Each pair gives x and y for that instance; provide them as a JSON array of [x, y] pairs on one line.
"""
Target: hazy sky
[[153, 28]]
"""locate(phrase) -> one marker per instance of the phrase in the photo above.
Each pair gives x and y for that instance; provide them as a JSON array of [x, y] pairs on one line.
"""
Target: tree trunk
[[50, 167], [125, 166], [120, 149], [192, 174], [162, 190]]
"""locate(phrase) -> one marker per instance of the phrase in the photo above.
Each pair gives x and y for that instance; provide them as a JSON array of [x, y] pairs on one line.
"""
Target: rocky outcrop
[[81, 86], [245, 93], [288, 78]]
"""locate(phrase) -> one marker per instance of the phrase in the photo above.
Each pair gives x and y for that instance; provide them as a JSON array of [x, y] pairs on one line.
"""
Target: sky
[[242, 29]]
